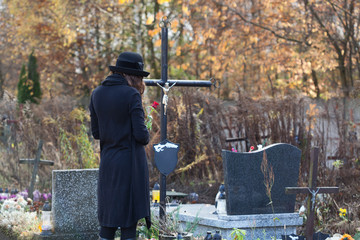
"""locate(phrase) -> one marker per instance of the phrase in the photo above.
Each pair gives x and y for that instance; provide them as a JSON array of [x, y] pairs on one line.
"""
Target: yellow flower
[[346, 237], [342, 212], [162, 1]]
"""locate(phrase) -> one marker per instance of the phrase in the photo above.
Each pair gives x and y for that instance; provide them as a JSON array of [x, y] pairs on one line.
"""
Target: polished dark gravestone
[[244, 180]]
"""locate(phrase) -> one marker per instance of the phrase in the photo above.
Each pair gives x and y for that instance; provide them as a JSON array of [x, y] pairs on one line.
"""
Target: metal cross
[[36, 163], [164, 83], [312, 190]]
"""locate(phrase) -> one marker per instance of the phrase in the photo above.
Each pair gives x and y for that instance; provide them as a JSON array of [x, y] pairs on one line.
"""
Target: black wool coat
[[117, 119]]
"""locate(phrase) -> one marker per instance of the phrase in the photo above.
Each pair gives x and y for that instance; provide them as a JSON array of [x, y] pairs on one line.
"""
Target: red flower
[[155, 104], [252, 147]]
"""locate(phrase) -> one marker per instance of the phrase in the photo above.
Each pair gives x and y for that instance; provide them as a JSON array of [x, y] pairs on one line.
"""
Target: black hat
[[130, 63]]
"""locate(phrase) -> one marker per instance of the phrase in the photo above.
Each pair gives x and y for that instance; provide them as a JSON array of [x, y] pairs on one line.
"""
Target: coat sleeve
[[139, 130], [94, 120]]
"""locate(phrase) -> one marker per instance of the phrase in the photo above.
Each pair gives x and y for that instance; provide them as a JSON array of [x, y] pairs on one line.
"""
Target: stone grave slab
[[75, 218], [74, 205], [256, 226], [244, 181]]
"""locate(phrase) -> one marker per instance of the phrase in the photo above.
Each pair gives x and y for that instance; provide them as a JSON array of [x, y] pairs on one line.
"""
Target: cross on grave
[[312, 190], [36, 163], [246, 139], [166, 84]]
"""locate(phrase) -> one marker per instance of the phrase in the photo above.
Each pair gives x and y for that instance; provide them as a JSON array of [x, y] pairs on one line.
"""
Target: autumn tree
[[76, 41], [277, 46], [268, 47]]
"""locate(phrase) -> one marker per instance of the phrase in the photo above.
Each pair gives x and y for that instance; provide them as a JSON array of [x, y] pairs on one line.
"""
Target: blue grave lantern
[[208, 236], [221, 191], [179, 236], [292, 237], [217, 235], [320, 236]]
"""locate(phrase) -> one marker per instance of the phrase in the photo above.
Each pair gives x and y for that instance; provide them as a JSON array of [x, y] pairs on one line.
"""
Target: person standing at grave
[[117, 120]]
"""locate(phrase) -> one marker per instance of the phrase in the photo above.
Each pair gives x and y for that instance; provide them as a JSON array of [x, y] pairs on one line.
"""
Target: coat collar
[[114, 79]]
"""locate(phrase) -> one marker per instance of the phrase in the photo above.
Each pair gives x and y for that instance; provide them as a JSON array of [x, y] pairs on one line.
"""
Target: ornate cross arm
[[184, 83], [296, 190], [311, 191]]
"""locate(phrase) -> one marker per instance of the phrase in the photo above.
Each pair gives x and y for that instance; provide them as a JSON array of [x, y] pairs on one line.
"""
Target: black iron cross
[[36, 163], [312, 190], [163, 83]]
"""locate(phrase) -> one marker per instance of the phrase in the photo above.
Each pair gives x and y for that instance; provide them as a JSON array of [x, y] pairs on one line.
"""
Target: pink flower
[[233, 150], [252, 148]]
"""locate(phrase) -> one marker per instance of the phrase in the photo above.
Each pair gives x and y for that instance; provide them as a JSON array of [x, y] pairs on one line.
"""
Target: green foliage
[[357, 236], [33, 75], [85, 151], [171, 227], [76, 147], [238, 234], [29, 84], [149, 119], [338, 163], [23, 90]]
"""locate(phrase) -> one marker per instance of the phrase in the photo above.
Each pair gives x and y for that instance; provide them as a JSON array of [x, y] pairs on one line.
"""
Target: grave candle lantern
[[156, 193], [221, 205], [46, 219]]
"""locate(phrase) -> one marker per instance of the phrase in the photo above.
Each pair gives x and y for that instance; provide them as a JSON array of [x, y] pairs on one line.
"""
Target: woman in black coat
[[117, 119]]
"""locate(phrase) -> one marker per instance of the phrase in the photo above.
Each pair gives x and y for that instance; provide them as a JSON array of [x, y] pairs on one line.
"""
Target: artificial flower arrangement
[[15, 217]]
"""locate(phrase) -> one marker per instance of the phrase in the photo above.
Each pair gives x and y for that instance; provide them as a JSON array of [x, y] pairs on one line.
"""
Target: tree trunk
[[343, 79], [316, 83], [1, 82]]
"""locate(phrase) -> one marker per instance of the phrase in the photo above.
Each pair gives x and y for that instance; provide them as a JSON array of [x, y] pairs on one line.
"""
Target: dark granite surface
[[244, 181], [74, 205]]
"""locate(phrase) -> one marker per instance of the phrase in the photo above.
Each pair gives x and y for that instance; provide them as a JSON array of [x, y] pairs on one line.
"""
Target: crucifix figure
[[165, 96], [311, 191], [166, 84]]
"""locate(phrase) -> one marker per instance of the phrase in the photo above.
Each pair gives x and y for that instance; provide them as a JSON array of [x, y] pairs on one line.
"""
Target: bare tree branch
[[261, 26], [334, 5]]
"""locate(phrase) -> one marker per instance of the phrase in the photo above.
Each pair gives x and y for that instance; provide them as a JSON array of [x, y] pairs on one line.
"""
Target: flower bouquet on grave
[[16, 222]]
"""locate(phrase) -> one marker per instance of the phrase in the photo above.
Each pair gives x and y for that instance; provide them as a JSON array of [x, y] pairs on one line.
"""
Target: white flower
[[21, 201], [5, 207], [336, 236], [302, 210]]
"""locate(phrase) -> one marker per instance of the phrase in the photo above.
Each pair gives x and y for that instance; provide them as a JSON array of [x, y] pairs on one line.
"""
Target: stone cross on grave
[[311, 191], [166, 85], [36, 163]]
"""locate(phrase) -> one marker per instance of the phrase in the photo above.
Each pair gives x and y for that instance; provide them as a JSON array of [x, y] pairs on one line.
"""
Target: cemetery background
[[201, 136], [268, 82]]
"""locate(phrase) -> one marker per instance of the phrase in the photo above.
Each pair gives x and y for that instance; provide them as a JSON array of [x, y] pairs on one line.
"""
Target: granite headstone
[[74, 205], [244, 180]]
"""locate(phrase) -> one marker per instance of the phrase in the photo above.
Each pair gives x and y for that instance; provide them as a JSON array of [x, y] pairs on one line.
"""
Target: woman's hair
[[135, 82]]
